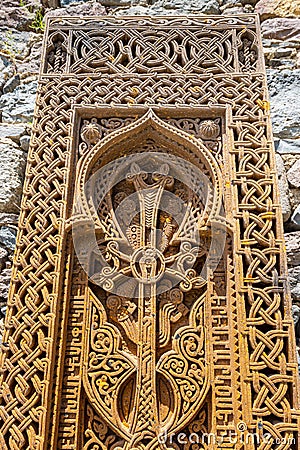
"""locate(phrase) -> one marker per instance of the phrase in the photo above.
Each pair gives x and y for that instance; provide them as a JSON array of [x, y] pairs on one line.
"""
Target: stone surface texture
[[278, 8], [283, 188], [292, 241], [293, 174], [13, 161], [79, 9], [284, 88], [281, 29], [21, 26], [13, 15]]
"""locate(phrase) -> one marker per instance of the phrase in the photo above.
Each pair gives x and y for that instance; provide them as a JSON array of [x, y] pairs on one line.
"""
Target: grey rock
[[11, 84], [6, 70], [287, 146], [90, 8], [282, 63], [294, 281], [251, 2], [3, 257], [190, 6], [138, 2], [24, 142], [13, 132], [168, 7], [292, 243], [296, 313], [2, 82], [281, 52], [30, 66], [8, 237], [283, 189], [113, 2], [295, 219], [11, 175], [18, 106], [289, 159], [15, 16], [3, 62], [281, 28], [51, 3], [293, 174], [8, 219], [1, 329], [233, 10], [285, 109], [141, 11], [5, 277], [231, 3], [294, 197], [296, 318], [4, 76], [15, 45], [281, 79]]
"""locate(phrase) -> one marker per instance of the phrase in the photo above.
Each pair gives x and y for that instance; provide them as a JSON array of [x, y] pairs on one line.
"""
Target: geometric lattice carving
[[149, 307]]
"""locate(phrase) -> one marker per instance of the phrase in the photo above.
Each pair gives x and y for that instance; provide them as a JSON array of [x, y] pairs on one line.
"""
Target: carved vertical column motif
[[149, 306]]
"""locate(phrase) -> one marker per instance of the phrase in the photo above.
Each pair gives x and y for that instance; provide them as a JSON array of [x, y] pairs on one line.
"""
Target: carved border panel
[[99, 73]]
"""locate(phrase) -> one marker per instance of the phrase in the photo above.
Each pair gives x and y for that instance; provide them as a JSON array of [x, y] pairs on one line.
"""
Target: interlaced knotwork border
[[264, 369]]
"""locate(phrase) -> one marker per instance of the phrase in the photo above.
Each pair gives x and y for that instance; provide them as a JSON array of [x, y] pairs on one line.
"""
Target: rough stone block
[[278, 28], [11, 175], [18, 106], [293, 174], [277, 8], [283, 189], [292, 242]]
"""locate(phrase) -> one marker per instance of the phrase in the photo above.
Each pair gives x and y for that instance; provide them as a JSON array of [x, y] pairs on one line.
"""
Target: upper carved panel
[[207, 129], [153, 46]]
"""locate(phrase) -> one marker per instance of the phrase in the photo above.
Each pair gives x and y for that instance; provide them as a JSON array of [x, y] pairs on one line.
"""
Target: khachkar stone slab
[[149, 307]]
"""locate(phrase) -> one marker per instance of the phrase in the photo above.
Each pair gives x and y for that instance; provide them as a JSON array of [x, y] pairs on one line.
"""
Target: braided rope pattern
[[29, 341]]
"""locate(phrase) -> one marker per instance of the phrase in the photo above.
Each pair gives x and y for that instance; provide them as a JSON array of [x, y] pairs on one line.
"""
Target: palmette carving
[[253, 370]]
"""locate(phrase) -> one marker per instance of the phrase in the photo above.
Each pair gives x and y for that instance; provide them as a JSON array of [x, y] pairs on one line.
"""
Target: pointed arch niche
[[149, 279]]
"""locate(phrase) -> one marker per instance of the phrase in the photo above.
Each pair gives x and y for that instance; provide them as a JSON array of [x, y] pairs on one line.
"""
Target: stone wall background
[[21, 28]]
